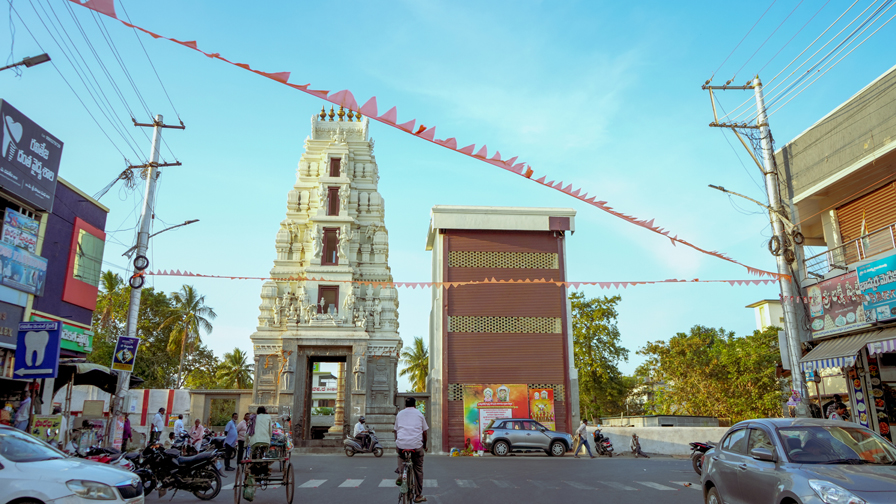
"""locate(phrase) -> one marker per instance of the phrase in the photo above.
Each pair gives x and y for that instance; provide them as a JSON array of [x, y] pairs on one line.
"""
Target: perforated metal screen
[[520, 260], [541, 325]]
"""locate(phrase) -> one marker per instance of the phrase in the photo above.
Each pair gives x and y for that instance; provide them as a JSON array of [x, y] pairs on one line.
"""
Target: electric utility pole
[[781, 240], [140, 261]]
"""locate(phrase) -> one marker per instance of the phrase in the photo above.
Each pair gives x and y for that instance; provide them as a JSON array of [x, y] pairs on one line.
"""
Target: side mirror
[[541, 429], [762, 454]]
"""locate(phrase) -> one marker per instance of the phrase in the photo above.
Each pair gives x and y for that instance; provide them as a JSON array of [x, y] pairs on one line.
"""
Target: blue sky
[[605, 95]]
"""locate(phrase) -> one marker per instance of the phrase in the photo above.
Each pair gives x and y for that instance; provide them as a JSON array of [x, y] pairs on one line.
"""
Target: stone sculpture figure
[[377, 310], [343, 167], [277, 308], [321, 196], [359, 375], [349, 301], [345, 236], [369, 293], [318, 243], [292, 312], [344, 193]]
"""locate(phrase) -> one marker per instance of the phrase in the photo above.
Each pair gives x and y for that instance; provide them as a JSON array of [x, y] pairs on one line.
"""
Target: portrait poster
[[484, 403], [541, 407]]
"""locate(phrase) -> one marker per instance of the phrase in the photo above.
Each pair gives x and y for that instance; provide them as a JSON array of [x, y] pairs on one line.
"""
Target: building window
[[328, 295], [329, 256], [85, 263], [334, 166], [332, 201]]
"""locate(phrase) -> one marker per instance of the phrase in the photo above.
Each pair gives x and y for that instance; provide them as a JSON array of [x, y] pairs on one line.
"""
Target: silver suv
[[503, 435]]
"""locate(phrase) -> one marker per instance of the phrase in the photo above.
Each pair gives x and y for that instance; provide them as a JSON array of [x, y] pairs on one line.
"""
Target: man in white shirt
[[179, 426], [158, 423], [362, 432], [23, 415], [582, 438], [410, 434]]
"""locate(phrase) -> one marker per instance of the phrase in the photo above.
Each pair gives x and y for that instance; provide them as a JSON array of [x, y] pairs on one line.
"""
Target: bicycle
[[407, 493]]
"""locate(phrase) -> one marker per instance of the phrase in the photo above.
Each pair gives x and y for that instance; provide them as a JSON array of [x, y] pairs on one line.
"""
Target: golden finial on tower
[[351, 115], [358, 115], [323, 113], [341, 114], [332, 115]]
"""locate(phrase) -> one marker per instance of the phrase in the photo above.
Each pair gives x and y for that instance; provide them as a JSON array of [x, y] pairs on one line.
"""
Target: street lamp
[[29, 61], [131, 250]]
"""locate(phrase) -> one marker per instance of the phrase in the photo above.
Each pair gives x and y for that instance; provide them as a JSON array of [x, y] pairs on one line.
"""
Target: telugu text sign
[[877, 280], [30, 158]]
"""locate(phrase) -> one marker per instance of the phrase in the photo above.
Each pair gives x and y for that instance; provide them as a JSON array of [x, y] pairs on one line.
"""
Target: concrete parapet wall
[[660, 440]]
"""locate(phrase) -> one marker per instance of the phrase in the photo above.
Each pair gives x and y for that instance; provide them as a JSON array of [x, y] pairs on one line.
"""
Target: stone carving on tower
[[330, 300]]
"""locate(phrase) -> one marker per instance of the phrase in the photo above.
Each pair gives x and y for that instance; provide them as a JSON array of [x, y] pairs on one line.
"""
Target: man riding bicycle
[[410, 435]]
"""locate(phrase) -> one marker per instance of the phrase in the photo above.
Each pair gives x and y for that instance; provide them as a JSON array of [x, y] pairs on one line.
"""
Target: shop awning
[[885, 342], [87, 373], [837, 352]]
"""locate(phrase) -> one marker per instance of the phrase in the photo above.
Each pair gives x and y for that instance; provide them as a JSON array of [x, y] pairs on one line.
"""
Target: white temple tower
[[324, 304]]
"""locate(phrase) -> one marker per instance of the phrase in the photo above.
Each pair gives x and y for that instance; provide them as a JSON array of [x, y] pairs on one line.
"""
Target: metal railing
[[863, 247]]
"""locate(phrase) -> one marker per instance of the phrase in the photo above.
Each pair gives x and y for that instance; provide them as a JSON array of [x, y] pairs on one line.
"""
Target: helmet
[[362, 419]]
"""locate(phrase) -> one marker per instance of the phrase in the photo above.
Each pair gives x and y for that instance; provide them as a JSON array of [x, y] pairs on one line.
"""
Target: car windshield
[[835, 445], [20, 447]]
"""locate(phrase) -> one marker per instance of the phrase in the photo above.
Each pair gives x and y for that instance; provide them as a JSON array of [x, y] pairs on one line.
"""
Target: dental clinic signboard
[[877, 280], [30, 158], [37, 350]]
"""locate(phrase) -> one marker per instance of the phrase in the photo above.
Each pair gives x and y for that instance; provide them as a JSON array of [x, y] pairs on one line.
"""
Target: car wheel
[[712, 496], [558, 449], [501, 449], [697, 462]]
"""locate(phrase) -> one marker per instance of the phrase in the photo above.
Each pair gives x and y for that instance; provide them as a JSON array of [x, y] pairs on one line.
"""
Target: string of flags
[[446, 285], [346, 99]]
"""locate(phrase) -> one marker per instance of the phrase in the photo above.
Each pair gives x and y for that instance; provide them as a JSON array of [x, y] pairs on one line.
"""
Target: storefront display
[[878, 400], [858, 396]]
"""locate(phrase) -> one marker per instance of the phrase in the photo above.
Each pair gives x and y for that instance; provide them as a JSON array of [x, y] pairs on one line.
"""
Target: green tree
[[189, 316], [235, 371], [712, 372], [416, 364], [154, 363], [597, 354]]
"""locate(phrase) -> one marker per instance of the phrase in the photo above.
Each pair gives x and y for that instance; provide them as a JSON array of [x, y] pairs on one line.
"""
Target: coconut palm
[[189, 316], [234, 371], [416, 364], [112, 297]]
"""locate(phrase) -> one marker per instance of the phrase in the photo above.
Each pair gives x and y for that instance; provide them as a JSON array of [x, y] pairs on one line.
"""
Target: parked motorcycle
[[184, 443], [602, 444], [168, 470], [353, 446], [698, 449]]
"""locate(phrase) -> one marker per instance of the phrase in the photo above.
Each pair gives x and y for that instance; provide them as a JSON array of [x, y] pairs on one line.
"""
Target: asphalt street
[[516, 479]]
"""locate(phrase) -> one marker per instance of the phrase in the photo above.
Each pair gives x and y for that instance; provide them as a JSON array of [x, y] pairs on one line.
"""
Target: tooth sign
[[35, 347]]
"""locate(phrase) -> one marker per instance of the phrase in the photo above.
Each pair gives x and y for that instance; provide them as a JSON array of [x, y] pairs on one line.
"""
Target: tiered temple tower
[[321, 307]]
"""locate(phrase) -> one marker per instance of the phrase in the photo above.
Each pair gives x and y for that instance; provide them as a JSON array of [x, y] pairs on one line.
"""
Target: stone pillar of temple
[[339, 420]]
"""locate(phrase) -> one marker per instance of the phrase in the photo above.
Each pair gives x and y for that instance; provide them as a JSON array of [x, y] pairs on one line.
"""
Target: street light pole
[[29, 61]]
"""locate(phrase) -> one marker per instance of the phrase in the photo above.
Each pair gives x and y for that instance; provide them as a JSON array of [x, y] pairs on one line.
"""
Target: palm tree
[[112, 287], [416, 364], [188, 316], [234, 371]]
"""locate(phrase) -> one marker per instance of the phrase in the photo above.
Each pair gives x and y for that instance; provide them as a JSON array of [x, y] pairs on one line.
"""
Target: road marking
[[617, 485], [351, 483], [466, 483], [542, 484], [387, 483], [503, 484], [656, 486], [687, 484], [580, 486], [430, 483], [312, 483]]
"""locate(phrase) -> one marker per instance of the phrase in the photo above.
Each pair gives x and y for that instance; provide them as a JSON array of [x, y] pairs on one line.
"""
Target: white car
[[33, 472]]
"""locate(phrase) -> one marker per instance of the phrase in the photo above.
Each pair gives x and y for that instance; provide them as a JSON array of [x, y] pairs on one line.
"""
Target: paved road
[[517, 479]]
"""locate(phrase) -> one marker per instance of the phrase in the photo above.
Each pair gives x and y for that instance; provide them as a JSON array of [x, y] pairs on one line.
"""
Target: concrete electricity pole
[[140, 261], [781, 239]]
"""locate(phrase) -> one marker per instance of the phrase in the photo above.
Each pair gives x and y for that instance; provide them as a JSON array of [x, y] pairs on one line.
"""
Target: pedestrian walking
[[582, 439], [635, 445], [126, 434], [158, 423], [230, 439], [23, 415], [242, 430]]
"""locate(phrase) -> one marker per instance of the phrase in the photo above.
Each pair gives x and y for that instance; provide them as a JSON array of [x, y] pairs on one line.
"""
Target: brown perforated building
[[498, 333]]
